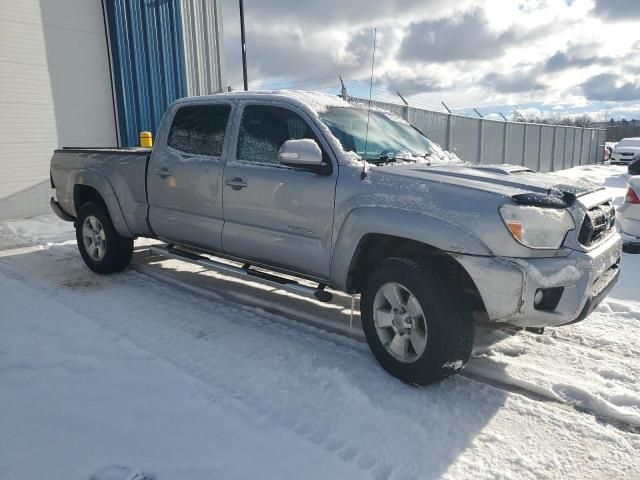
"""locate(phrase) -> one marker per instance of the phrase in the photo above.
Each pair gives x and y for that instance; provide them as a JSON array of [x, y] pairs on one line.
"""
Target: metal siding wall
[[465, 137], [586, 141], [203, 46], [493, 142], [515, 143], [602, 135], [593, 157], [433, 125], [576, 147], [546, 149], [559, 150], [148, 62], [532, 139]]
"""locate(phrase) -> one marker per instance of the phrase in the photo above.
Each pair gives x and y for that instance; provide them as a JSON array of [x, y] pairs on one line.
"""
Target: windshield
[[388, 139]]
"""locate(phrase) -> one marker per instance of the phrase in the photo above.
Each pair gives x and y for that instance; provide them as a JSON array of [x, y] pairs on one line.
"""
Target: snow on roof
[[317, 101]]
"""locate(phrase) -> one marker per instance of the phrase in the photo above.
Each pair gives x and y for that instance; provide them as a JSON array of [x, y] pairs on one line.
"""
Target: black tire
[[447, 312], [118, 250], [631, 247]]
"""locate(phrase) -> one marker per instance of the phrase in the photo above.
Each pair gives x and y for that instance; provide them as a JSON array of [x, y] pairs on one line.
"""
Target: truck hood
[[507, 180]]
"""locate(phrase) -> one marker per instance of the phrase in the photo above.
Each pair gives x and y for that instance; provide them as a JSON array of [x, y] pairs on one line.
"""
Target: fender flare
[[101, 184], [432, 231]]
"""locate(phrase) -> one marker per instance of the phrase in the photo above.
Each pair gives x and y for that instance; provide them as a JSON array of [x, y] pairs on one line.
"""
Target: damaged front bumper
[[541, 292]]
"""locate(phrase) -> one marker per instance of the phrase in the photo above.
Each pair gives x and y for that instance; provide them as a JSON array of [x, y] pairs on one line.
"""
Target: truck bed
[[119, 175]]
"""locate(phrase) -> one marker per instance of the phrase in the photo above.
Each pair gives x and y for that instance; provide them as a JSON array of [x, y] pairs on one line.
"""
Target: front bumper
[[508, 286]]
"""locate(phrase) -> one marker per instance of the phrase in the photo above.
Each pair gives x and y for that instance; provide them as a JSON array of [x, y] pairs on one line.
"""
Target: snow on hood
[[505, 179]]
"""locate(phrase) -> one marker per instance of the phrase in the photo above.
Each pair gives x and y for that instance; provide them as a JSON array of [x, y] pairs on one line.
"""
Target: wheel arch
[[95, 188], [373, 248]]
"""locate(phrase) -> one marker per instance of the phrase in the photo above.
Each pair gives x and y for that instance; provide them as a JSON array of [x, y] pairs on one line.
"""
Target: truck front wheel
[[418, 323], [101, 247]]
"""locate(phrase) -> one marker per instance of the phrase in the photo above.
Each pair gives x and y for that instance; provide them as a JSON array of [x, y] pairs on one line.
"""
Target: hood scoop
[[553, 198], [503, 169]]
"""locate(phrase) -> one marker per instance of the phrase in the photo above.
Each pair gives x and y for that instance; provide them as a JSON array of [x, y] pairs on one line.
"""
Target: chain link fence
[[543, 148]]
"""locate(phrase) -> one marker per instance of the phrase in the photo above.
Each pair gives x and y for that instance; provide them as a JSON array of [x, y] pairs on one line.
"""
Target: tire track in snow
[[165, 345]]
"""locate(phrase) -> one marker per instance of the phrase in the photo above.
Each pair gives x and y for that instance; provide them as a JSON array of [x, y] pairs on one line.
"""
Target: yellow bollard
[[146, 140]]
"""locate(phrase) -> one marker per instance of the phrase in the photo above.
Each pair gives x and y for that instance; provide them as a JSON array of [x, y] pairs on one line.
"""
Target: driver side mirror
[[304, 154]]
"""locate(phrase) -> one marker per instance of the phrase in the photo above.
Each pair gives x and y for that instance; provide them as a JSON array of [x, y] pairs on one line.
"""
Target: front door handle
[[236, 183], [162, 172]]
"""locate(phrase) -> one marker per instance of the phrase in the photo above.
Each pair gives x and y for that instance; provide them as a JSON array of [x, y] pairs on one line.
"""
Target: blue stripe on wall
[[147, 53]]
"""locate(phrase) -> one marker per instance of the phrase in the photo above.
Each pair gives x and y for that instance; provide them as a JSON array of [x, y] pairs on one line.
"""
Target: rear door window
[[199, 129]]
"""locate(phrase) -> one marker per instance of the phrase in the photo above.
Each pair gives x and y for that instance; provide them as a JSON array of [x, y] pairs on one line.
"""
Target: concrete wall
[[55, 90]]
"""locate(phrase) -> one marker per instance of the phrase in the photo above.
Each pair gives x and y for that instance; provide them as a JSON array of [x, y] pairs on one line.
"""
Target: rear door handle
[[236, 183], [162, 172]]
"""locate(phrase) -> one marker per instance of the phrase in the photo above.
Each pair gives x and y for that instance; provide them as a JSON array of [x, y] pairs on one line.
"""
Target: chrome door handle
[[236, 183], [162, 172]]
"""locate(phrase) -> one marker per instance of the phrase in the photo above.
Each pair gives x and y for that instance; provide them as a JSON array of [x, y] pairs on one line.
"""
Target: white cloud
[[546, 52]]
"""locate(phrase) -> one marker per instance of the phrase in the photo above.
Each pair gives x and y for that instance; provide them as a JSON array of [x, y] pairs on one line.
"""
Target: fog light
[[538, 298], [547, 298]]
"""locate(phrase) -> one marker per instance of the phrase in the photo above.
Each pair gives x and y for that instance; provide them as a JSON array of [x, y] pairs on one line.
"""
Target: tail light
[[632, 196]]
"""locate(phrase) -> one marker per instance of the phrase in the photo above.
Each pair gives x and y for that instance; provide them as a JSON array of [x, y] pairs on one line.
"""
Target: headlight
[[537, 227]]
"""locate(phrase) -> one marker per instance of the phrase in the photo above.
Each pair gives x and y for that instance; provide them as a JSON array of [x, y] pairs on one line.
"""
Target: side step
[[284, 283]]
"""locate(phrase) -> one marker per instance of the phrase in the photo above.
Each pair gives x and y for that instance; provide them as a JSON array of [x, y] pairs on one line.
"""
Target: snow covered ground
[[168, 372]]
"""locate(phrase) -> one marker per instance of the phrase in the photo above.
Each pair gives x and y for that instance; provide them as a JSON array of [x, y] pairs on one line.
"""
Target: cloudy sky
[[545, 57]]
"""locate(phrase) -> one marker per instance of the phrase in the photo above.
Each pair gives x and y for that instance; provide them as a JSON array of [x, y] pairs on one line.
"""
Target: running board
[[284, 283]]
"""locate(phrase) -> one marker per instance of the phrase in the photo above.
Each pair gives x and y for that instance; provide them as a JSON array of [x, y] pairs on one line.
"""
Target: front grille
[[598, 224]]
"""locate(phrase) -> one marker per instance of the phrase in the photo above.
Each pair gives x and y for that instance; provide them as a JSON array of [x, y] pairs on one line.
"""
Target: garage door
[[55, 90]]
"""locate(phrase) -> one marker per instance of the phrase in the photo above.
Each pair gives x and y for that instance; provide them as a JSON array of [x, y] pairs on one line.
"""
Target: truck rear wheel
[[101, 247], [418, 324]]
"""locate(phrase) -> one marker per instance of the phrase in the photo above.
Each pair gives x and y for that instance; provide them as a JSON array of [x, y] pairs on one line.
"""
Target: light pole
[[244, 48]]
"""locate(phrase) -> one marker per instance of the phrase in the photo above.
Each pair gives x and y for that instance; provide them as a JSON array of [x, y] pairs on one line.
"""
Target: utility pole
[[244, 47]]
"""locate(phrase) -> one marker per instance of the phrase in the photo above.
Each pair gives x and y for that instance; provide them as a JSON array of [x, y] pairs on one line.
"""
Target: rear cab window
[[199, 129]]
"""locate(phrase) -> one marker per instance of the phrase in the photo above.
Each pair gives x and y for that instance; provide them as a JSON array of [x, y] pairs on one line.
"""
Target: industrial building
[[93, 73]]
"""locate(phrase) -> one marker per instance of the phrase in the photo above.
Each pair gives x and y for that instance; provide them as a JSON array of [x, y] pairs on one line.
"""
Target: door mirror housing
[[304, 154]]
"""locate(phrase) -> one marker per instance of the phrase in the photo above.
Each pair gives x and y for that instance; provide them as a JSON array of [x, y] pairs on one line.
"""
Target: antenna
[[366, 135]]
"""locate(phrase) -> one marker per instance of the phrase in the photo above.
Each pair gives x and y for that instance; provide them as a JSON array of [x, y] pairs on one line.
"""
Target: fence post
[[524, 146], [553, 148], [505, 142], [564, 148], [481, 140], [449, 133], [581, 146], [590, 145], [539, 148]]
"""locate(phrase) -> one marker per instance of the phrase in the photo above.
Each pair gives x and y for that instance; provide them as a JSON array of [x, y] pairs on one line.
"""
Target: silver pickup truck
[[295, 184]]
